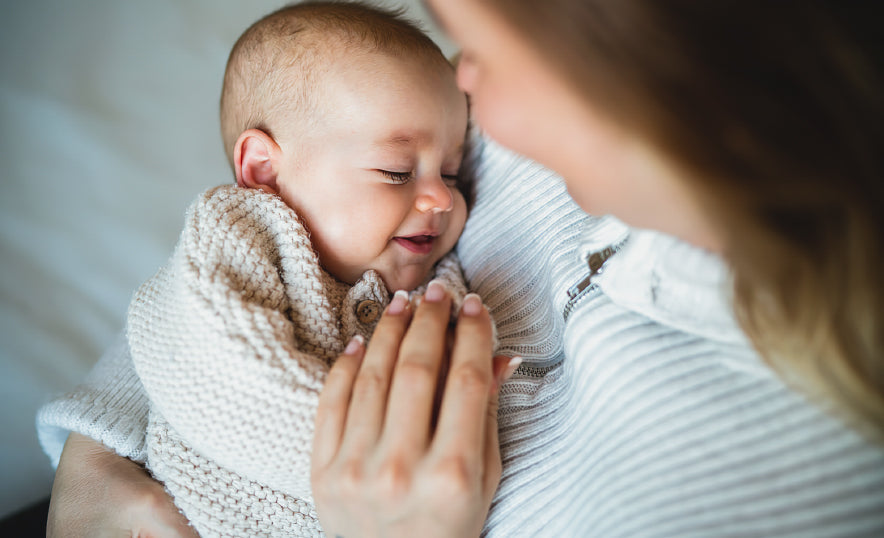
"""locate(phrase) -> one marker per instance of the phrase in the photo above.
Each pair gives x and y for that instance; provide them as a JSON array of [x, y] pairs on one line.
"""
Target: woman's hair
[[774, 112]]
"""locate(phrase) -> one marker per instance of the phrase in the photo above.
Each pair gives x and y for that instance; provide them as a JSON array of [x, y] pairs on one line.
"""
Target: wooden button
[[368, 311]]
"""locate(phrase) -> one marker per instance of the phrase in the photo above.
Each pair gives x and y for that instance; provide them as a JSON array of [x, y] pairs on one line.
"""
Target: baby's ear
[[256, 159]]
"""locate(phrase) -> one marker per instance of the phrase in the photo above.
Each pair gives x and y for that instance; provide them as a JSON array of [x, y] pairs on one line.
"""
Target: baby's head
[[353, 117]]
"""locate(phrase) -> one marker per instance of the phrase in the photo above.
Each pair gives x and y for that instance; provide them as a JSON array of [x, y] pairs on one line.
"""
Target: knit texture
[[232, 340], [110, 406], [644, 413]]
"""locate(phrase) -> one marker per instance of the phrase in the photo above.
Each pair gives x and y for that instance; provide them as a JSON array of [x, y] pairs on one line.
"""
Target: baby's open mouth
[[419, 244]]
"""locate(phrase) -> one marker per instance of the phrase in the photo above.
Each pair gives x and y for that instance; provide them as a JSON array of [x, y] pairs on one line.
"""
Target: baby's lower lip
[[419, 244]]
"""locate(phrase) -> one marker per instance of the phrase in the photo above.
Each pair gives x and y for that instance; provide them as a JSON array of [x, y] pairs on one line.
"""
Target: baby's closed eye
[[396, 177]]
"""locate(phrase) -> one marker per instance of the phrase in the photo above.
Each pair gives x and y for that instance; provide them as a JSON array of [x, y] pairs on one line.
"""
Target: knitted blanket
[[232, 340]]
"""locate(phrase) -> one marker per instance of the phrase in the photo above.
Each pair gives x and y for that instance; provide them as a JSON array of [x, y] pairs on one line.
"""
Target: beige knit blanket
[[232, 340]]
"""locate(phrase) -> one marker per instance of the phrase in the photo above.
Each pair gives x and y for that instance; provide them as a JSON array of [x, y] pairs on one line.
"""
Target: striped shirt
[[640, 410]]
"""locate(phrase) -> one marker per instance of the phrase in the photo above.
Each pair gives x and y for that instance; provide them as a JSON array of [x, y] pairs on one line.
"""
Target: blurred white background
[[108, 128]]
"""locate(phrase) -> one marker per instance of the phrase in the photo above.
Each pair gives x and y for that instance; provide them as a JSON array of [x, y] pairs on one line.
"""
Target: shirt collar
[[672, 282]]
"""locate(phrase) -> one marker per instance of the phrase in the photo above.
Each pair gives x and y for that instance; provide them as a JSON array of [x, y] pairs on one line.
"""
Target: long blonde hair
[[775, 112]]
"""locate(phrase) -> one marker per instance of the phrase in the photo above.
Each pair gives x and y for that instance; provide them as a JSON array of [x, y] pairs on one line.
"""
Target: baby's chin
[[406, 280]]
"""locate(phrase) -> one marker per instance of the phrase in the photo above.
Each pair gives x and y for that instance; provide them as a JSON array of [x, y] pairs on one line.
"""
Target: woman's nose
[[466, 73], [433, 195]]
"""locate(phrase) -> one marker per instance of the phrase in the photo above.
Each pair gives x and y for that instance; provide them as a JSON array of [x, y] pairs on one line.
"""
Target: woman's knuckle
[[368, 383], [470, 377], [350, 478], [393, 480], [454, 476], [416, 374], [337, 376]]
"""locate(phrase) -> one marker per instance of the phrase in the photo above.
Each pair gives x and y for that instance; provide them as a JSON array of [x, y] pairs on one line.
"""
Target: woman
[[746, 132]]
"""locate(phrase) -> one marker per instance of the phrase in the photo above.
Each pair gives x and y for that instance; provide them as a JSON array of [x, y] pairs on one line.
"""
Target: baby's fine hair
[[273, 68]]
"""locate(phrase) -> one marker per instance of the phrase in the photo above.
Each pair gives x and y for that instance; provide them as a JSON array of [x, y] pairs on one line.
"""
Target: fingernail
[[354, 344], [435, 292], [511, 367], [399, 302], [472, 305]]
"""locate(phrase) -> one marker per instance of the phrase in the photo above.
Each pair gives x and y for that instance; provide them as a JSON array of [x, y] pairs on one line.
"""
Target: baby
[[345, 129]]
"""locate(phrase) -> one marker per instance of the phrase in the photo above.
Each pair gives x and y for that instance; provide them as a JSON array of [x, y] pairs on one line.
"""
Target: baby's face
[[374, 179]]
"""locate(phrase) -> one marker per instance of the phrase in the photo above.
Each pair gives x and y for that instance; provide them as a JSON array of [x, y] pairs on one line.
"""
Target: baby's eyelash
[[396, 177]]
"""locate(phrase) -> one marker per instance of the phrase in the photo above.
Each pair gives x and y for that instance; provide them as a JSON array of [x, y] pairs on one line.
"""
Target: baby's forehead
[[329, 62], [327, 49]]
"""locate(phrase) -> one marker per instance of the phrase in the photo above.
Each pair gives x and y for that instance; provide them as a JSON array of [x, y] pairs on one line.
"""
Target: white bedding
[[108, 115]]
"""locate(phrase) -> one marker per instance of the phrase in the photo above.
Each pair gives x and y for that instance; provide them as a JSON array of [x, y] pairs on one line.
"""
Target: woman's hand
[[382, 464], [99, 493]]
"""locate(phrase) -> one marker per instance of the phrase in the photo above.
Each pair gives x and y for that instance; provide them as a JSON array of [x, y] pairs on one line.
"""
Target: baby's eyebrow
[[403, 138]]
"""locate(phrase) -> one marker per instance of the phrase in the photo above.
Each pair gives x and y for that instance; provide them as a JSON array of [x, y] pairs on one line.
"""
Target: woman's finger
[[368, 401], [334, 401], [504, 368], [462, 418], [413, 389], [492, 465]]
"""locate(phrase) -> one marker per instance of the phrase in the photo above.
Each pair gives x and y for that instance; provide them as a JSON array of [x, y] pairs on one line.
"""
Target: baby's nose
[[434, 196]]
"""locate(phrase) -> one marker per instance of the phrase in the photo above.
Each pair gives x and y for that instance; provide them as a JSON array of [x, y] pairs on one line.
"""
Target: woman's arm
[[99, 493]]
